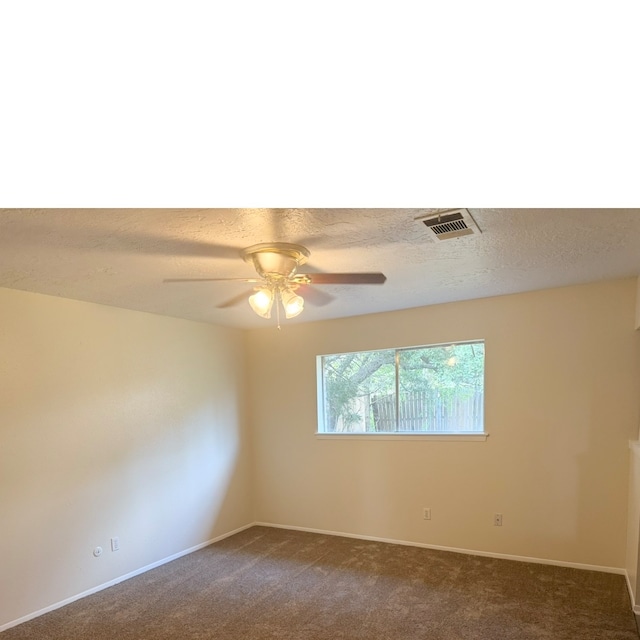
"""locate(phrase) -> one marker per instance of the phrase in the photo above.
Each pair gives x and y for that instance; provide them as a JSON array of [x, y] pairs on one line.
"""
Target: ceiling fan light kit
[[277, 264], [262, 300]]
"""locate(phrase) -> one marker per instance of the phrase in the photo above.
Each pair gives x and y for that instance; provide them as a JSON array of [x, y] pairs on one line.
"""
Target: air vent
[[452, 223]]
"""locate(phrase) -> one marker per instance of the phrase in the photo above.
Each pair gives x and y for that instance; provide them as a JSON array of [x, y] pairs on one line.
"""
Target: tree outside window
[[428, 389]]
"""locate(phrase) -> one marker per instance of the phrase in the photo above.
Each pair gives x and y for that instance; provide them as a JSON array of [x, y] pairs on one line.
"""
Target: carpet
[[274, 583]]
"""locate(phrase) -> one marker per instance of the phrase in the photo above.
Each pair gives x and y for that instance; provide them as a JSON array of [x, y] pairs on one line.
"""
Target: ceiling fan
[[276, 264]]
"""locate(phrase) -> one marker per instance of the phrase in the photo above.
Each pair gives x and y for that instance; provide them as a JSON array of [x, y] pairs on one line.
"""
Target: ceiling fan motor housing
[[276, 260]]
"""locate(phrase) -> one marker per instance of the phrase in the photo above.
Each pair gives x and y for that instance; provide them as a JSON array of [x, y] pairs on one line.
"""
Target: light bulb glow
[[293, 304], [261, 302]]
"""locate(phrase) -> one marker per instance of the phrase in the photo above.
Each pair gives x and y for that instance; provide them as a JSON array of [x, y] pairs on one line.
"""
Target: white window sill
[[441, 437]]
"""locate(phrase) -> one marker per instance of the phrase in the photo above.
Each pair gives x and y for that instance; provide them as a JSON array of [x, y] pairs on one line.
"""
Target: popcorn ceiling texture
[[119, 257]]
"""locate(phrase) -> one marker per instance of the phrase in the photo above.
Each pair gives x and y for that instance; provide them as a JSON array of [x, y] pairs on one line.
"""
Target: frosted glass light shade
[[293, 304], [261, 302]]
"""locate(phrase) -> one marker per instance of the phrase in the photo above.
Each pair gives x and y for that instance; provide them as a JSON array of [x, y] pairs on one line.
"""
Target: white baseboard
[[472, 552], [175, 556], [119, 579], [634, 607]]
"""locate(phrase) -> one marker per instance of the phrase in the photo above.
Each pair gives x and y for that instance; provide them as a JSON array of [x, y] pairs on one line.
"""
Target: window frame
[[442, 436]]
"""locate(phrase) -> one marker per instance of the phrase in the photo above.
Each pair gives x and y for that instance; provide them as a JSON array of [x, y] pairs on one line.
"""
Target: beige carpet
[[272, 583]]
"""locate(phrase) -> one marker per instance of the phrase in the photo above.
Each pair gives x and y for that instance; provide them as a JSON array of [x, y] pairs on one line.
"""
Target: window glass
[[429, 389]]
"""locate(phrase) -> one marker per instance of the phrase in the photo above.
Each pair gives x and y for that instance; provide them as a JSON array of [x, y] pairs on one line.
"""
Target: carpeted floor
[[273, 583]]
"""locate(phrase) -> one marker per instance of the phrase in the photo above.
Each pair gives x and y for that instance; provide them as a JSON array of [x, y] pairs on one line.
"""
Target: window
[[436, 389]]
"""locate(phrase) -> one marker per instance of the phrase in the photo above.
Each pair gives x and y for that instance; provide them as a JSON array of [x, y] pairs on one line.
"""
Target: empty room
[[319, 423]]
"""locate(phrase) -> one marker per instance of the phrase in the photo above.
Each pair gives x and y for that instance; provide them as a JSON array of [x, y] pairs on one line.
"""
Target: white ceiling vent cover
[[452, 223]]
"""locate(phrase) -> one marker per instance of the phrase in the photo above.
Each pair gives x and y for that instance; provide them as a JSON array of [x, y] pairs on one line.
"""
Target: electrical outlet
[[115, 544], [497, 519], [426, 513]]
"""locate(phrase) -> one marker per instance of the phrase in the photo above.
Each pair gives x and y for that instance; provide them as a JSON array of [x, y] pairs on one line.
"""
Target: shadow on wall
[[112, 423]]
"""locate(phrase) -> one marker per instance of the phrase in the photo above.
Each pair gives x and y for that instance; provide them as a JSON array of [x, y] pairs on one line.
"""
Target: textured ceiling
[[120, 257]]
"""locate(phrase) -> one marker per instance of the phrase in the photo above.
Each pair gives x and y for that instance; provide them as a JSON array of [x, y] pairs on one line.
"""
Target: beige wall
[[638, 302], [633, 517], [561, 406], [112, 423], [633, 521], [118, 423]]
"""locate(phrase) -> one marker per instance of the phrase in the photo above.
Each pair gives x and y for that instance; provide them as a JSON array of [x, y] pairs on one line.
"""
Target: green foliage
[[350, 376], [455, 370], [353, 381]]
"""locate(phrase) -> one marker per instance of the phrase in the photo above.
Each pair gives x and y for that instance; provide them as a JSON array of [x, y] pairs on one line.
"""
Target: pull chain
[[277, 301]]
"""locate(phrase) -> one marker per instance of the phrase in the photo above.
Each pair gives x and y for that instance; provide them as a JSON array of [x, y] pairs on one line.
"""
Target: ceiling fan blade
[[314, 296], [346, 278], [212, 280], [232, 302]]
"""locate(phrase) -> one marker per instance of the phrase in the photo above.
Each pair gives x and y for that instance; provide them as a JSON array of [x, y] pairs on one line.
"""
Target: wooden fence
[[427, 412]]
